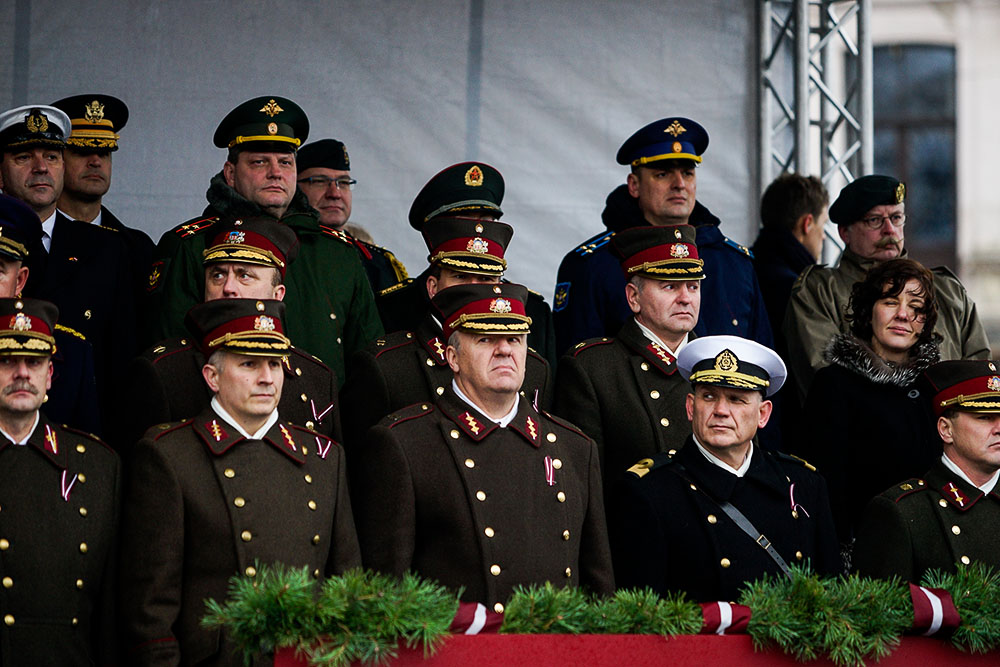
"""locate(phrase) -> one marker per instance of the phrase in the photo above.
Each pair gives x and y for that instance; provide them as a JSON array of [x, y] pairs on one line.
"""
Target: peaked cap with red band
[[483, 309], [253, 241], [245, 326], [468, 245], [27, 326], [965, 384], [660, 253]]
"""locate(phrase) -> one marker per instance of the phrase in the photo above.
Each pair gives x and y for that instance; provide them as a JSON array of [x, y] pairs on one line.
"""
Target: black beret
[[862, 195], [326, 153]]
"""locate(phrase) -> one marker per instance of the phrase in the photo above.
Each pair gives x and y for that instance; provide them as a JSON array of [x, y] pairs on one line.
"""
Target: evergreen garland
[[363, 616]]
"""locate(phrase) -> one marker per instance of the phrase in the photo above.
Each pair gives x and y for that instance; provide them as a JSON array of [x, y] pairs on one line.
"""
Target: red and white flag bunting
[[933, 611], [724, 618], [474, 618]]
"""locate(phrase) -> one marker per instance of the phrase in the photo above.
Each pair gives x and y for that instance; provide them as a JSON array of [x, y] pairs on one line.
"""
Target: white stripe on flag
[[936, 610], [725, 617], [478, 620]]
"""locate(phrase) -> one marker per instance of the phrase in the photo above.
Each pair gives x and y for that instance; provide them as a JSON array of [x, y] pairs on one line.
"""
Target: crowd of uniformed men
[[273, 388]]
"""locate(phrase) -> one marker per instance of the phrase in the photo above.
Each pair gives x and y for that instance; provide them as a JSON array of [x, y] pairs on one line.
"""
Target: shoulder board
[[393, 340], [337, 234], [592, 244], [904, 489], [89, 436], [396, 287], [414, 411], [192, 228], [538, 294], [397, 266], [559, 421], [736, 246], [169, 427], [643, 466], [72, 332], [310, 432], [800, 281], [791, 458], [587, 344], [110, 229], [945, 271], [305, 355]]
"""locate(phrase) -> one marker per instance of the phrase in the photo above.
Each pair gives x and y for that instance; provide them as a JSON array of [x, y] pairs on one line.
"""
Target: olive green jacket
[[330, 307], [819, 301]]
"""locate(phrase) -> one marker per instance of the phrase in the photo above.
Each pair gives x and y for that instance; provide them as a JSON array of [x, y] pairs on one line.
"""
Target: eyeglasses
[[325, 181], [876, 221]]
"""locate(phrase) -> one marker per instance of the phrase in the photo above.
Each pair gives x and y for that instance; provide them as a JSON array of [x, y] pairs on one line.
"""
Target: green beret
[[864, 194]]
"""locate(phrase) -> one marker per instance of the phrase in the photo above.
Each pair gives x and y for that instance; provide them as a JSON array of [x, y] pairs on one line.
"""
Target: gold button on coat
[[229, 472], [712, 519], [454, 434], [561, 497], [430, 362], [79, 583], [81, 478], [654, 394], [246, 536], [565, 534], [83, 511], [489, 532], [956, 530], [725, 562], [664, 421], [480, 495], [310, 424], [8, 619], [316, 539], [4, 544], [298, 371], [7, 582], [557, 463], [551, 437], [251, 571], [798, 555], [495, 570], [942, 502], [83, 547], [239, 502], [312, 504], [81, 448], [304, 398], [498, 607], [469, 463], [309, 479], [439, 391], [569, 572], [966, 560], [644, 366]]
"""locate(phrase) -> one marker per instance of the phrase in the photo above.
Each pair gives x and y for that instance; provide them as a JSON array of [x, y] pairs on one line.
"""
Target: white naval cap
[[34, 125], [731, 361]]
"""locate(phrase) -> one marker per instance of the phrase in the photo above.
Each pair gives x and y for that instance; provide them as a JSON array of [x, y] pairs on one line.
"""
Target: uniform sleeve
[[810, 322], [596, 570], [638, 543], [364, 400], [884, 547], [152, 553], [594, 303], [384, 504], [180, 287], [106, 628], [344, 550], [760, 324], [576, 401], [975, 343], [144, 403], [363, 323]]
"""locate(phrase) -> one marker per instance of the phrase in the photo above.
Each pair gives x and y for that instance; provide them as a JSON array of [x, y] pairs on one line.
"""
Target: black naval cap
[[96, 120], [660, 253], [326, 153], [862, 195], [20, 228], [672, 138], [969, 385], [465, 187], [734, 362], [32, 126], [468, 245], [256, 240], [246, 326], [27, 327], [272, 123], [482, 308]]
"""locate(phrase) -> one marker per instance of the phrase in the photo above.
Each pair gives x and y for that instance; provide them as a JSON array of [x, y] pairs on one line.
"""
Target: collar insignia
[[955, 495], [51, 441], [660, 353], [532, 431], [438, 347], [288, 438], [472, 422], [217, 431]]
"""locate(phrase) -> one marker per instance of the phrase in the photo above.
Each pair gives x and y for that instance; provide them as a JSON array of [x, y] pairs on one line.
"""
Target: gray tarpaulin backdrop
[[544, 91]]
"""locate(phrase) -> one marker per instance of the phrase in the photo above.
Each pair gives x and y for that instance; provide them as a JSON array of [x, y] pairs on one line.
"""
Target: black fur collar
[[227, 203], [847, 351]]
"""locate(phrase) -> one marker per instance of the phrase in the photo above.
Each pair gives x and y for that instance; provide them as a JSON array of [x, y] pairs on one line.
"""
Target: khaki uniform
[[59, 504], [819, 301], [204, 504], [452, 496], [934, 522]]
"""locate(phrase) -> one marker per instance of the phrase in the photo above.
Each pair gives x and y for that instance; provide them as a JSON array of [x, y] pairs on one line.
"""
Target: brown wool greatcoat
[[204, 504], [454, 497], [59, 505], [403, 368], [934, 522], [627, 394], [165, 384]]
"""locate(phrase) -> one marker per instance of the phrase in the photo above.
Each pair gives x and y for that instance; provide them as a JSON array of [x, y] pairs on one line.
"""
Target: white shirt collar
[[952, 466], [503, 421], [48, 226], [739, 472], [27, 437], [226, 417], [95, 221], [648, 333]]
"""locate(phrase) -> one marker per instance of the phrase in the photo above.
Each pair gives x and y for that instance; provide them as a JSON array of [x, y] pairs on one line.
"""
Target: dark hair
[[789, 197], [888, 280]]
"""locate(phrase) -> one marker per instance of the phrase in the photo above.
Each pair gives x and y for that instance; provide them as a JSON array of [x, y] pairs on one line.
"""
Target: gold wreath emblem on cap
[[474, 176], [679, 250], [271, 108], [677, 147], [263, 323], [272, 128], [500, 306], [37, 122], [726, 361], [478, 246], [93, 112], [993, 384], [20, 322], [900, 193], [675, 129]]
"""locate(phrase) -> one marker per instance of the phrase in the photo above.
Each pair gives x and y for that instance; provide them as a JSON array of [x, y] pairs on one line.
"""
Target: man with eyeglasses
[[325, 179], [870, 215], [330, 304]]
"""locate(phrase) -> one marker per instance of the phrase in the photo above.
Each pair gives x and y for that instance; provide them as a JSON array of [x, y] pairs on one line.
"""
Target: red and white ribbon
[[724, 618], [795, 505], [933, 610], [550, 472], [321, 450], [66, 489], [474, 618], [318, 418]]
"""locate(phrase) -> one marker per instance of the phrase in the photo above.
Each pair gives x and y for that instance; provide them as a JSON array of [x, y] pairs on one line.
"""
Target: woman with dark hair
[[866, 422]]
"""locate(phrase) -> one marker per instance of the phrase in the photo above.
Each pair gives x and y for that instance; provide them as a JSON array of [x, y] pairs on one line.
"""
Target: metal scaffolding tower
[[815, 89]]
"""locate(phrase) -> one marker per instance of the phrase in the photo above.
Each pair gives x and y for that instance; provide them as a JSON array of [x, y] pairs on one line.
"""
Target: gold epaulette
[[641, 469], [74, 332], [397, 266], [397, 286]]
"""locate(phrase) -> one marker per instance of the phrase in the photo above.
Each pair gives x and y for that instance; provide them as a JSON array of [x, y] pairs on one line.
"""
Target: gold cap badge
[[675, 129], [474, 176], [478, 246], [93, 112], [500, 306], [271, 108], [263, 323], [900, 193], [37, 122], [726, 361]]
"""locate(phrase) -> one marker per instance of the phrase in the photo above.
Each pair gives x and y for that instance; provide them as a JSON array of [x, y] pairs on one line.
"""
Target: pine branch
[[975, 589]]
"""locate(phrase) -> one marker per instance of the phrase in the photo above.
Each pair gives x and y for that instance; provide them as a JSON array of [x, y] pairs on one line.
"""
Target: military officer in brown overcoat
[[407, 367], [59, 496], [482, 491], [246, 259], [625, 392], [952, 514], [210, 497]]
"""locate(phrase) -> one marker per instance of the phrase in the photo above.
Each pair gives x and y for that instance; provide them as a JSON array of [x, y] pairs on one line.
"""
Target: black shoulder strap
[[739, 519]]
